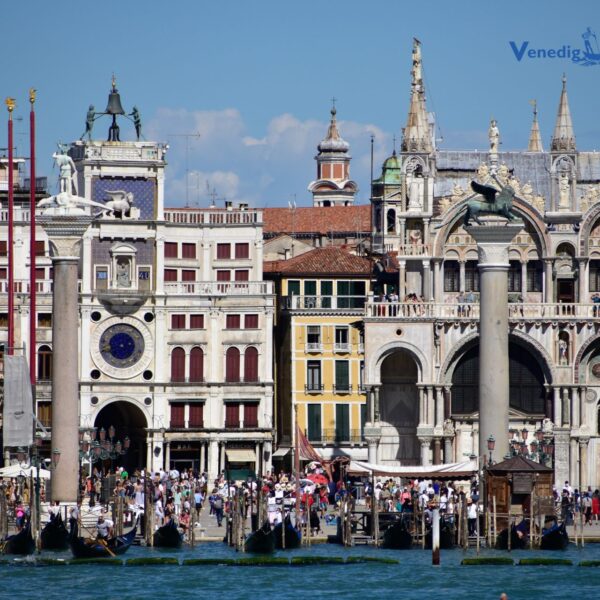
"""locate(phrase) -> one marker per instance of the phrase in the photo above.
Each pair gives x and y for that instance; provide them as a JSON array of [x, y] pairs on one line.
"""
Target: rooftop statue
[[66, 201], [494, 202]]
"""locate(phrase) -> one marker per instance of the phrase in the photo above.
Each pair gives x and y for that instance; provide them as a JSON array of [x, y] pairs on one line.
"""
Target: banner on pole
[[18, 403]]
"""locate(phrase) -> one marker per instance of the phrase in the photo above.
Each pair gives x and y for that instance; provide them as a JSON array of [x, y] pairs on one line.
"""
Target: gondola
[[555, 538], [100, 549], [261, 541], [519, 538], [168, 536], [447, 536], [397, 536], [20, 543], [292, 536], [55, 535]]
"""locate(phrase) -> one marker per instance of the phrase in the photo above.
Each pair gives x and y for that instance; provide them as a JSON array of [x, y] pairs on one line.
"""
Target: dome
[[333, 141]]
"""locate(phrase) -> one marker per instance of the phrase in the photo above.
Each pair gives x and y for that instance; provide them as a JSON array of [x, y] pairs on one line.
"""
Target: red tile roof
[[318, 219], [322, 261]]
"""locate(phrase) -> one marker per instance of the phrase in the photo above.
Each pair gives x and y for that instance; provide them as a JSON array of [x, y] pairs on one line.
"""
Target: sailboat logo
[[591, 53]]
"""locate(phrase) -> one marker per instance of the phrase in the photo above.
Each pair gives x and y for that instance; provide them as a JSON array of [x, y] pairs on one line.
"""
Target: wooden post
[[435, 537], [477, 528], [494, 516], [509, 532], [375, 511], [3, 513], [422, 515]]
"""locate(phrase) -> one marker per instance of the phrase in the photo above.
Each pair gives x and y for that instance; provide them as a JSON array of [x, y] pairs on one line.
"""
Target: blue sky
[[255, 80]]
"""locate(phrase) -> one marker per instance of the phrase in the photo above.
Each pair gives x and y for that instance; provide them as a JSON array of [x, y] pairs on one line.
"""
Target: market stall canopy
[[16, 470], [461, 469]]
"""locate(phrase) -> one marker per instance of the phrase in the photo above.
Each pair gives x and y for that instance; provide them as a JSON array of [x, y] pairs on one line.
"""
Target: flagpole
[[10, 105], [32, 244]]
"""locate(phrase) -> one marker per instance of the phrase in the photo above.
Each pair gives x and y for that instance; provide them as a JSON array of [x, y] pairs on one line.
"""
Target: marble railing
[[470, 311], [213, 217], [219, 288]]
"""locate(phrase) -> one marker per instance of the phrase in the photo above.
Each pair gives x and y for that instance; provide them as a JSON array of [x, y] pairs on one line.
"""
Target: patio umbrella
[[318, 478]]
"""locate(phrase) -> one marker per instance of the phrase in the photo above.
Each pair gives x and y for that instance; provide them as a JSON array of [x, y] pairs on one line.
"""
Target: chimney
[[228, 204], [286, 253], [243, 206]]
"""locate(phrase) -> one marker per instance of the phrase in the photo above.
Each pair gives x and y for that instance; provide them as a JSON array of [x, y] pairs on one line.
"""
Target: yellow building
[[320, 350]]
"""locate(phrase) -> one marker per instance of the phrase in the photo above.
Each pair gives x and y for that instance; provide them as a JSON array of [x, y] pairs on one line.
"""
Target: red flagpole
[[10, 104], [32, 243]]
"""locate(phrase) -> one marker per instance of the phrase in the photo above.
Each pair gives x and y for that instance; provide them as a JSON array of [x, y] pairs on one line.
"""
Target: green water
[[412, 578]]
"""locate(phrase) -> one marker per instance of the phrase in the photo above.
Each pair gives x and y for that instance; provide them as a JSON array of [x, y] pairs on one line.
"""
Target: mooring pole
[[435, 537]]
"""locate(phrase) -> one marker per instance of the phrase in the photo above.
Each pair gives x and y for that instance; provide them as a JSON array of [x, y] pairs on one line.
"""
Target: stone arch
[[447, 369], [130, 419], [586, 348], [522, 208], [411, 163], [591, 219], [373, 364]]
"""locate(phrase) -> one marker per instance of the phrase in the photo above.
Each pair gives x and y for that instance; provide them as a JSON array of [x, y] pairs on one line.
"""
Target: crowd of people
[[575, 503]]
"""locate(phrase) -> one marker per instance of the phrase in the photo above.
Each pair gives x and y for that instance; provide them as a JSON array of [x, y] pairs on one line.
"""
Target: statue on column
[[67, 170], [494, 202], [494, 136]]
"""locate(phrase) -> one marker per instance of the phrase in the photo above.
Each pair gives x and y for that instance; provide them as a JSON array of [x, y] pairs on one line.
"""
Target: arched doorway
[[399, 407], [526, 377], [128, 420]]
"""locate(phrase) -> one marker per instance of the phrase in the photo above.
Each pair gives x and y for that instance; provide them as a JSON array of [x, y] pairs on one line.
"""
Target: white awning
[[462, 469], [281, 452], [241, 456]]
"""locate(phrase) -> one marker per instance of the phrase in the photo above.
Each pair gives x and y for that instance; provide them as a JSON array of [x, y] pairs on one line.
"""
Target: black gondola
[[555, 538], [19, 543], [292, 536], [261, 541], [101, 549], [168, 536], [447, 536], [55, 535], [519, 538], [397, 536]]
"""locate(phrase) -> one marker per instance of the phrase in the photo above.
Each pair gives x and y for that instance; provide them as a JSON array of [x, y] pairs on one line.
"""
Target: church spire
[[535, 138], [563, 138], [417, 135]]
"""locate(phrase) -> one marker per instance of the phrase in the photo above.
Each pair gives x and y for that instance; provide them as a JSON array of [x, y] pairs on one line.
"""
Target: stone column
[[523, 277], [149, 449], [437, 451], [548, 285], [65, 228], [167, 455], [439, 406], [493, 239], [583, 462], [376, 411], [583, 281], [213, 459], [557, 407], [425, 444], [448, 450], [401, 279], [437, 280], [575, 408], [430, 406], [426, 281], [372, 435], [461, 275], [422, 405], [574, 463], [566, 407], [561, 456]]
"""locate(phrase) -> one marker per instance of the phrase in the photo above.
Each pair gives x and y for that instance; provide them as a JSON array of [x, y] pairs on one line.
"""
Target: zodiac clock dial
[[121, 345]]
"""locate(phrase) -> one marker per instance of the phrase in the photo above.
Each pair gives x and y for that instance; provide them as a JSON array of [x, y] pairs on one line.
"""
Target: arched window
[[232, 365], [391, 220], [251, 364], [525, 376], [44, 363], [196, 364], [178, 364]]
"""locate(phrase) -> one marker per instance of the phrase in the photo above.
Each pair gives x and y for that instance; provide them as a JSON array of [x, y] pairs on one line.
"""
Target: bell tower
[[333, 186]]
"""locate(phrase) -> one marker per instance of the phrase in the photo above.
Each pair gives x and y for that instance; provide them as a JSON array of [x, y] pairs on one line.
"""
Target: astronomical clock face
[[121, 346]]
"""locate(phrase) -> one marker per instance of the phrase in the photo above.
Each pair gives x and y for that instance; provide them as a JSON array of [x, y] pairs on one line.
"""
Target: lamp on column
[[491, 444]]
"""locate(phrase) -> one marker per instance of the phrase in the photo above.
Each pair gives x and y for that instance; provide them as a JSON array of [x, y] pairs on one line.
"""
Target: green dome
[[391, 172]]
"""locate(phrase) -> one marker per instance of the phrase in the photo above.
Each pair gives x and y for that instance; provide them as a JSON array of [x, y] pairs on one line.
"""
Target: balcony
[[213, 217], [218, 288], [344, 388], [342, 347], [430, 311], [21, 286], [325, 303], [313, 347], [313, 388]]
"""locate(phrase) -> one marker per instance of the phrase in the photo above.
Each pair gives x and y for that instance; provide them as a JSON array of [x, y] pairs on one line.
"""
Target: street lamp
[[491, 444]]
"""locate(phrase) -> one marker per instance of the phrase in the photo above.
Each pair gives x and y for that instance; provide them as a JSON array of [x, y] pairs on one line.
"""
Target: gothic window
[[232, 365], [196, 364], [594, 275], [251, 364], [44, 363], [471, 276], [178, 364], [514, 276], [451, 276], [535, 274]]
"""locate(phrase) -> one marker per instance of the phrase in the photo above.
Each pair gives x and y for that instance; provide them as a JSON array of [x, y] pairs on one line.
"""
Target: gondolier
[[104, 527]]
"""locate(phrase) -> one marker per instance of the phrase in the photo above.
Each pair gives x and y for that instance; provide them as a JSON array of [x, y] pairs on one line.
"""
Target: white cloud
[[263, 169]]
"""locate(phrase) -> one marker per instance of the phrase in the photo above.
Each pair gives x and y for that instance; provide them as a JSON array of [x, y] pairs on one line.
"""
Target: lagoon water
[[412, 578]]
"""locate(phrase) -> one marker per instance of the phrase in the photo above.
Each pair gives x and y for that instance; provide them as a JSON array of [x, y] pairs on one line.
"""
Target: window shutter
[[196, 364], [178, 364], [251, 364]]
